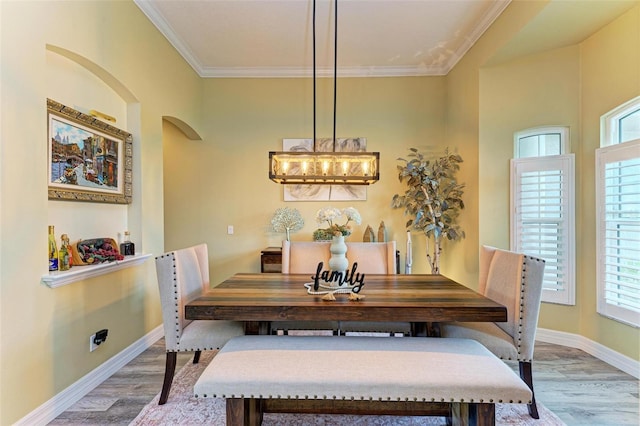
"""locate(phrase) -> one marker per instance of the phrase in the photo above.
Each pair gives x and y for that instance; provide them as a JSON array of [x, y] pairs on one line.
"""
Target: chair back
[[302, 257], [182, 276], [515, 280], [373, 258], [486, 256]]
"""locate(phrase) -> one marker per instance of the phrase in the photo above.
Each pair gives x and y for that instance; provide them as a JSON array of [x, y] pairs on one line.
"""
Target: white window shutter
[[618, 236], [543, 220]]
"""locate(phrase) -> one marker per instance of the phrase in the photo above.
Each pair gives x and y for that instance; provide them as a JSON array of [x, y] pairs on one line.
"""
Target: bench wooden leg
[[244, 412], [464, 414]]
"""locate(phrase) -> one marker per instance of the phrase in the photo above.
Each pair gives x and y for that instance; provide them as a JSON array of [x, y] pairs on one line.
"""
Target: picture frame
[[89, 159]]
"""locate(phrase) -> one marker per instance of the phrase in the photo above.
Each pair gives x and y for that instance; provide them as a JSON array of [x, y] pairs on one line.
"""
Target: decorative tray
[[95, 250]]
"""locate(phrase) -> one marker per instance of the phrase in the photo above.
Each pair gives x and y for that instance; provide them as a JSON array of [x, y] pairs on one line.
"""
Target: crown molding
[[301, 72], [152, 13], [156, 18], [489, 18]]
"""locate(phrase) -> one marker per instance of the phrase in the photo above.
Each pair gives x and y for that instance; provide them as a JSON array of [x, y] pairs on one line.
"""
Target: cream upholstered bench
[[457, 378]]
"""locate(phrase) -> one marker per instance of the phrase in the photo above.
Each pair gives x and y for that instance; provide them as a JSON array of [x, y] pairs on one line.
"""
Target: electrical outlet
[[92, 345], [230, 229]]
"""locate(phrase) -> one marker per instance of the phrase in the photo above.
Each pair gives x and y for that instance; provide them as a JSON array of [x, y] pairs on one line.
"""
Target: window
[[542, 207], [540, 142], [618, 214]]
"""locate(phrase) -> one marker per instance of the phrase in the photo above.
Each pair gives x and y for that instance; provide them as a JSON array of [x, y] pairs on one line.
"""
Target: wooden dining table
[[260, 298]]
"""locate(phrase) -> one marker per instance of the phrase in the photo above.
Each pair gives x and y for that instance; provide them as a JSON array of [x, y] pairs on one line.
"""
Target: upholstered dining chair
[[374, 258], [302, 257], [182, 276], [514, 280]]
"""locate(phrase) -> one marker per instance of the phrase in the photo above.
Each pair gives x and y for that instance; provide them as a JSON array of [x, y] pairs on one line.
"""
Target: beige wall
[[571, 86], [610, 65], [463, 127], [188, 191], [244, 119], [129, 71], [550, 96]]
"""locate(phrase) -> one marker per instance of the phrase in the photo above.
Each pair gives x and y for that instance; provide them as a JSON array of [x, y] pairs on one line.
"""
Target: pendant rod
[[314, 75], [335, 70]]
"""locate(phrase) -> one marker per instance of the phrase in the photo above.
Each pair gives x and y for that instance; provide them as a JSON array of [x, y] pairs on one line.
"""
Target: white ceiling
[[273, 38]]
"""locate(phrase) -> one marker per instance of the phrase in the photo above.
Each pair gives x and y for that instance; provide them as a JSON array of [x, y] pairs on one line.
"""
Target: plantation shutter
[[543, 220], [618, 239]]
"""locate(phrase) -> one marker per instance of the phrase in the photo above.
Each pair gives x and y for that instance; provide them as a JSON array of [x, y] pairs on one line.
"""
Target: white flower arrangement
[[287, 220], [329, 215]]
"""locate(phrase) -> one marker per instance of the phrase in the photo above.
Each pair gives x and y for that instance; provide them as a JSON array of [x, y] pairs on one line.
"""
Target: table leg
[[256, 327], [244, 412], [433, 329], [419, 329]]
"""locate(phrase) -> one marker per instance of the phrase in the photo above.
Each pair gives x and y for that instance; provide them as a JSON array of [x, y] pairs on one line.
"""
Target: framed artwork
[[325, 192], [89, 160]]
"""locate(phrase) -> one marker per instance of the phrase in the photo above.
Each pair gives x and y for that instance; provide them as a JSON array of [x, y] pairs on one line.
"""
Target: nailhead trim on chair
[[209, 348], [520, 318], [175, 290], [177, 310], [175, 294], [522, 291]]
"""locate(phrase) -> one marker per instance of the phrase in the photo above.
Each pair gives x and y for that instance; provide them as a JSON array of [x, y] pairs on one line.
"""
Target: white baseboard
[[611, 357], [65, 399]]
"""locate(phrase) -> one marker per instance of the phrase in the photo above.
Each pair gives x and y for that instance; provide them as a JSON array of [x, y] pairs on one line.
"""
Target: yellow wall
[[570, 86], [463, 127], [226, 180], [610, 65], [187, 191], [551, 94], [44, 332]]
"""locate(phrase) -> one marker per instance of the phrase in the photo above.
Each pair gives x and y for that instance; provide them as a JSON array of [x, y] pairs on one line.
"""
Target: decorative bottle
[[53, 250], [127, 248], [64, 255]]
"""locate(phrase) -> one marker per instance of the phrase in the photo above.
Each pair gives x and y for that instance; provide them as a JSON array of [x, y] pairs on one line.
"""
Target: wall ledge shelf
[[78, 273]]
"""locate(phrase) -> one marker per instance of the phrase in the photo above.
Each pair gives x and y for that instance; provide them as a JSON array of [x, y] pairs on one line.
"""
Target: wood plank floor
[[580, 389]]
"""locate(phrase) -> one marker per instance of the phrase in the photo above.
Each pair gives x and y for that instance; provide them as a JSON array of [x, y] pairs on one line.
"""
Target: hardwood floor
[[578, 388]]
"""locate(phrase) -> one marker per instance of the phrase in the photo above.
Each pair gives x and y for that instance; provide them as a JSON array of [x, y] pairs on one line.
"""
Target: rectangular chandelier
[[323, 168]]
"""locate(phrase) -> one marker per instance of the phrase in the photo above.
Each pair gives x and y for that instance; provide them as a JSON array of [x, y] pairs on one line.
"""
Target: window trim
[[611, 150], [537, 131], [609, 122], [609, 310]]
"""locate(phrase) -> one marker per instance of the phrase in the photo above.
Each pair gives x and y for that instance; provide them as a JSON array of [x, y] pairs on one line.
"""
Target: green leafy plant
[[433, 199]]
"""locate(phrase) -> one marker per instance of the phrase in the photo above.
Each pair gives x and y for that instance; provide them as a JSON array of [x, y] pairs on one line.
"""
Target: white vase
[[338, 261]]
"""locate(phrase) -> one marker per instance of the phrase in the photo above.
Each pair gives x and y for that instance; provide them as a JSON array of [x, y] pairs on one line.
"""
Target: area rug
[[183, 408]]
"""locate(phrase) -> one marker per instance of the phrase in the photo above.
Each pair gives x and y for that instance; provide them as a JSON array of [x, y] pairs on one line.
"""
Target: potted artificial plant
[[287, 220], [433, 199]]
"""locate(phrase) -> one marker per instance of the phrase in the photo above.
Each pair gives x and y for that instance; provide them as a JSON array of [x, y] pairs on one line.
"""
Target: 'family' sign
[[330, 282]]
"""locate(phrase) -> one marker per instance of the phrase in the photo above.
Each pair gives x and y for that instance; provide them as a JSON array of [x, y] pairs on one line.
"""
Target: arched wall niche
[[108, 220], [188, 131], [97, 70]]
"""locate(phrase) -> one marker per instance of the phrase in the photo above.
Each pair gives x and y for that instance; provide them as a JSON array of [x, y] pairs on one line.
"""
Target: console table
[[271, 260]]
